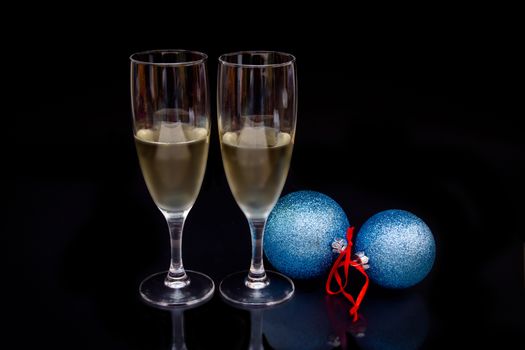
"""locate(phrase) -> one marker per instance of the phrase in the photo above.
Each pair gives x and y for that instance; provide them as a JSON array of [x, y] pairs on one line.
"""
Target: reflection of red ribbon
[[344, 260]]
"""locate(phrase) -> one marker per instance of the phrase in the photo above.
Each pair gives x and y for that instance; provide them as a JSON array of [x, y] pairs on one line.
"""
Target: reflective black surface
[[422, 123]]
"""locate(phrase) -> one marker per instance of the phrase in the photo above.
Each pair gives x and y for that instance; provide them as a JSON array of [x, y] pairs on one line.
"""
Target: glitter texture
[[400, 247], [300, 231]]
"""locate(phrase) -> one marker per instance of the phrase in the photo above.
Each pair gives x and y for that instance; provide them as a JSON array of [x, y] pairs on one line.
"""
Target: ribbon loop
[[344, 260]]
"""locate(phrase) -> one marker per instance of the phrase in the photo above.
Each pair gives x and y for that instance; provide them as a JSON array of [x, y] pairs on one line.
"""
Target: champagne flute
[[169, 97], [257, 104]]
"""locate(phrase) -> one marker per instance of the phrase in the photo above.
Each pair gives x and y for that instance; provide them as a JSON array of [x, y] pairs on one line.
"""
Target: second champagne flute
[[257, 115]]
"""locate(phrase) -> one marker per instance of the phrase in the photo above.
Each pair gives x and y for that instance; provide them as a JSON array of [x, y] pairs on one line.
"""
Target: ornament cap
[[338, 245], [361, 259]]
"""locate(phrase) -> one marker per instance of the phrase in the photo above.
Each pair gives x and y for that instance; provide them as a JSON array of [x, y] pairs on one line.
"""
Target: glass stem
[[257, 277], [176, 277]]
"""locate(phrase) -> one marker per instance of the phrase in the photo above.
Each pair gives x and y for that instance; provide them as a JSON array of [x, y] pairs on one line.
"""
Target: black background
[[408, 112]]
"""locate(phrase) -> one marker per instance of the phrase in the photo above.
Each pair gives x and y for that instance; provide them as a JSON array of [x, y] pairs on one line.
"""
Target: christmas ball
[[400, 248], [300, 231]]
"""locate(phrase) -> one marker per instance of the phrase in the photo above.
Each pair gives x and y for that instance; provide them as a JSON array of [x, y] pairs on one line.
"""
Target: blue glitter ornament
[[400, 248], [300, 231]]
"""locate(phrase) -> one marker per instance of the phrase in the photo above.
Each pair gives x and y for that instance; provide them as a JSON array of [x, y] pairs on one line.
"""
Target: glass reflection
[[177, 324], [256, 330], [178, 335], [258, 337]]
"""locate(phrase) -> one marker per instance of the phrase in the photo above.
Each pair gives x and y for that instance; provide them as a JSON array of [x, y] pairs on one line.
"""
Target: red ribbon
[[344, 260]]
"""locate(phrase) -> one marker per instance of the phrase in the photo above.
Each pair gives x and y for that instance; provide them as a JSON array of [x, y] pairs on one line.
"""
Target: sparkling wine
[[256, 161], [173, 161]]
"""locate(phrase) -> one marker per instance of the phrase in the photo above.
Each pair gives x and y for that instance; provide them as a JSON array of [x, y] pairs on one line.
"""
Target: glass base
[[234, 290], [156, 293]]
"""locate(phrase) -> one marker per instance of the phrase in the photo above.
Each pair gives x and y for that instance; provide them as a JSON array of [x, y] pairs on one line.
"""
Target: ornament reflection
[[385, 322]]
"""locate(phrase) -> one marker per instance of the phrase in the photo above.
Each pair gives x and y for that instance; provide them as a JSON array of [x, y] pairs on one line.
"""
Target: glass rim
[[291, 59], [202, 59]]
